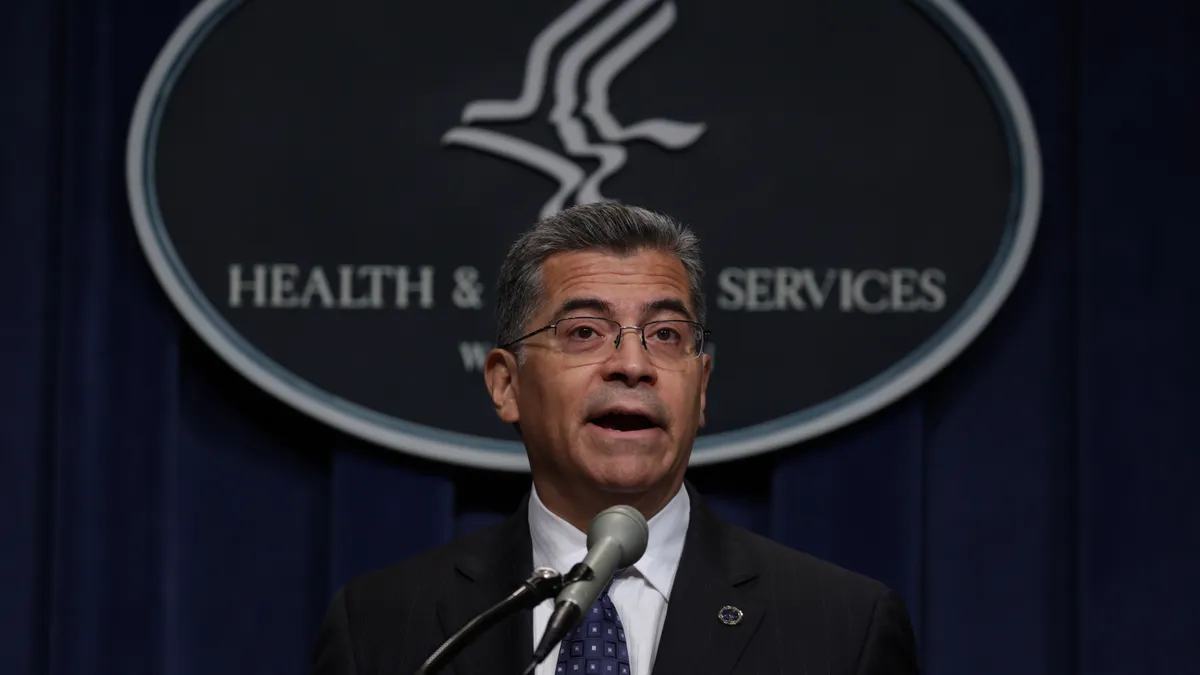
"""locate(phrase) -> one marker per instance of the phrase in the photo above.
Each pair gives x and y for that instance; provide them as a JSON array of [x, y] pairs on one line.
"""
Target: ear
[[500, 374], [706, 367]]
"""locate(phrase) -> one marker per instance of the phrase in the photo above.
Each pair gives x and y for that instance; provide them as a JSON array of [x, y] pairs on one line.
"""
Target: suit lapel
[[486, 573], [714, 573]]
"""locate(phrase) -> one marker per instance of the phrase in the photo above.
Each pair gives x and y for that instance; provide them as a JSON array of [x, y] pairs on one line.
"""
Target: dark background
[[1034, 503], [852, 134]]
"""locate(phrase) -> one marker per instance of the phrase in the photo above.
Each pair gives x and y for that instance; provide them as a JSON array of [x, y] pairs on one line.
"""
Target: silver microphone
[[617, 538]]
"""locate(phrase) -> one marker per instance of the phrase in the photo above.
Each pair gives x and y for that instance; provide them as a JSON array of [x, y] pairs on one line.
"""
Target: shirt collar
[[559, 545]]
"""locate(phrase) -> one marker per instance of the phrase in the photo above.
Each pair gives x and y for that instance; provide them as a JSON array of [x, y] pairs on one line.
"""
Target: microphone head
[[625, 525]]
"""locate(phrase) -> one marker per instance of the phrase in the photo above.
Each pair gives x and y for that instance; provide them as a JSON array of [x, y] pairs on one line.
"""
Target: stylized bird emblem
[[566, 113]]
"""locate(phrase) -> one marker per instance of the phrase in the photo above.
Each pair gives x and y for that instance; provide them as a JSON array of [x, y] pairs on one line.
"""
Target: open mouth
[[624, 422]]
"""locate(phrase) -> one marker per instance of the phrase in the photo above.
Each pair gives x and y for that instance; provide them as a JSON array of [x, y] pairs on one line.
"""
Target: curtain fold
[[855, 499], [384, 510], [28, 332], [1138, 371]]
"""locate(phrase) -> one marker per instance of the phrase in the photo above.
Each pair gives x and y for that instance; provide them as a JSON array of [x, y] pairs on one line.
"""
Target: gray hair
[[602, 226]]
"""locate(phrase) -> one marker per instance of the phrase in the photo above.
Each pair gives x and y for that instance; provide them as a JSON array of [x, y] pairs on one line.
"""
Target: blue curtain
[[1035, 503]]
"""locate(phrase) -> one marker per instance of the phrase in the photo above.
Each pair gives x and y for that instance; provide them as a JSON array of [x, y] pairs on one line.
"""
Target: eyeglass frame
[[641, 332]]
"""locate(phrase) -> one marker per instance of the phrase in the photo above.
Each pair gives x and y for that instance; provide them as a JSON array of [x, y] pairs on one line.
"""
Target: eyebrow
[[666, 305], [661, 305], [595, 304]]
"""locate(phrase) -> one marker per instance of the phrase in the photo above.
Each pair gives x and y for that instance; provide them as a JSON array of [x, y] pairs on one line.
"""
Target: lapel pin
[[730, 616]]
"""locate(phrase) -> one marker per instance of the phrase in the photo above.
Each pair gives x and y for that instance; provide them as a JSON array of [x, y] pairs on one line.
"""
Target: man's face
[[622, 420]]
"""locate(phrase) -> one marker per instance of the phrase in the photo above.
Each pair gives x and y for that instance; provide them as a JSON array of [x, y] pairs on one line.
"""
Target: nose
[[630, 362]]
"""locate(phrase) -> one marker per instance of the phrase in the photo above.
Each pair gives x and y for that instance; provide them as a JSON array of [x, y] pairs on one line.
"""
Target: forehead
[[625, 281]]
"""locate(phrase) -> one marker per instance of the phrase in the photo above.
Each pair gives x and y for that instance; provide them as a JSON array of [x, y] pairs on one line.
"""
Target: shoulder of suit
[[776, 562], [422, 570]]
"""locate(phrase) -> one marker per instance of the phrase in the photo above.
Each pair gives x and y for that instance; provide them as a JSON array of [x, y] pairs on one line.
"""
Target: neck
[[578, 504]]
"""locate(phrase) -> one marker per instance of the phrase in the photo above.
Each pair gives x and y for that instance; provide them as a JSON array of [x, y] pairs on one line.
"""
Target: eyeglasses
[[669, 342]]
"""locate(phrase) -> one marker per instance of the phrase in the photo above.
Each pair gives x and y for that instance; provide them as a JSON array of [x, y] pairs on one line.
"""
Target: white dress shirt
[[639, 593]]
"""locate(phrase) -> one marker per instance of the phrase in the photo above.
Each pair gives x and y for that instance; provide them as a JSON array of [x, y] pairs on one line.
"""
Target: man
[[601, 371]]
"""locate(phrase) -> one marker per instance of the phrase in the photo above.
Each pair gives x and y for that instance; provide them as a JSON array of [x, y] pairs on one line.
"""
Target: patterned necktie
[[597, 645]]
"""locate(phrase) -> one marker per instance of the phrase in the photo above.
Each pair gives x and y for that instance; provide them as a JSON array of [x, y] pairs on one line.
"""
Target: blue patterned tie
[[597, 645]]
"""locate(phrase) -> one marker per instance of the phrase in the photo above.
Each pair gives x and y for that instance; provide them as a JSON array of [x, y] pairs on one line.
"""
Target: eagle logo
[[569, 116]]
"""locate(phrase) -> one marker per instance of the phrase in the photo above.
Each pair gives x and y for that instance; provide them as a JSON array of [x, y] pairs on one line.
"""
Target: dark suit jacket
[[801, 615]]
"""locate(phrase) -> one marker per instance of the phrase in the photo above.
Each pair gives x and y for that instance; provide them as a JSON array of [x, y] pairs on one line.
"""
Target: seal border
[[441, 445]]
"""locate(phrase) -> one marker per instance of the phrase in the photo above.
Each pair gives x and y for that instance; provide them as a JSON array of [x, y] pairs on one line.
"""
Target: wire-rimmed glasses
[[669, 342]]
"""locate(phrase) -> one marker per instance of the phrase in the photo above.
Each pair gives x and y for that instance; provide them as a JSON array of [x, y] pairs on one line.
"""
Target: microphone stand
[[580, 571], [542, 584]]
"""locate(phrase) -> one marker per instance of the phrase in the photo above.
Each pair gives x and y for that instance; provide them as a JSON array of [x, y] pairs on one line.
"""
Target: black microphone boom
[[617, 538], [543, 584]]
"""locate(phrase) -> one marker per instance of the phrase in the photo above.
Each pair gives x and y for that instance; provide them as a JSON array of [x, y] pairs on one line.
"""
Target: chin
[[626, 474]]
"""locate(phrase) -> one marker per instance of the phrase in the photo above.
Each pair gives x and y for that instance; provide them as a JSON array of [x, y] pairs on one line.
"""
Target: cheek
[[552, 398], [684, 398]]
